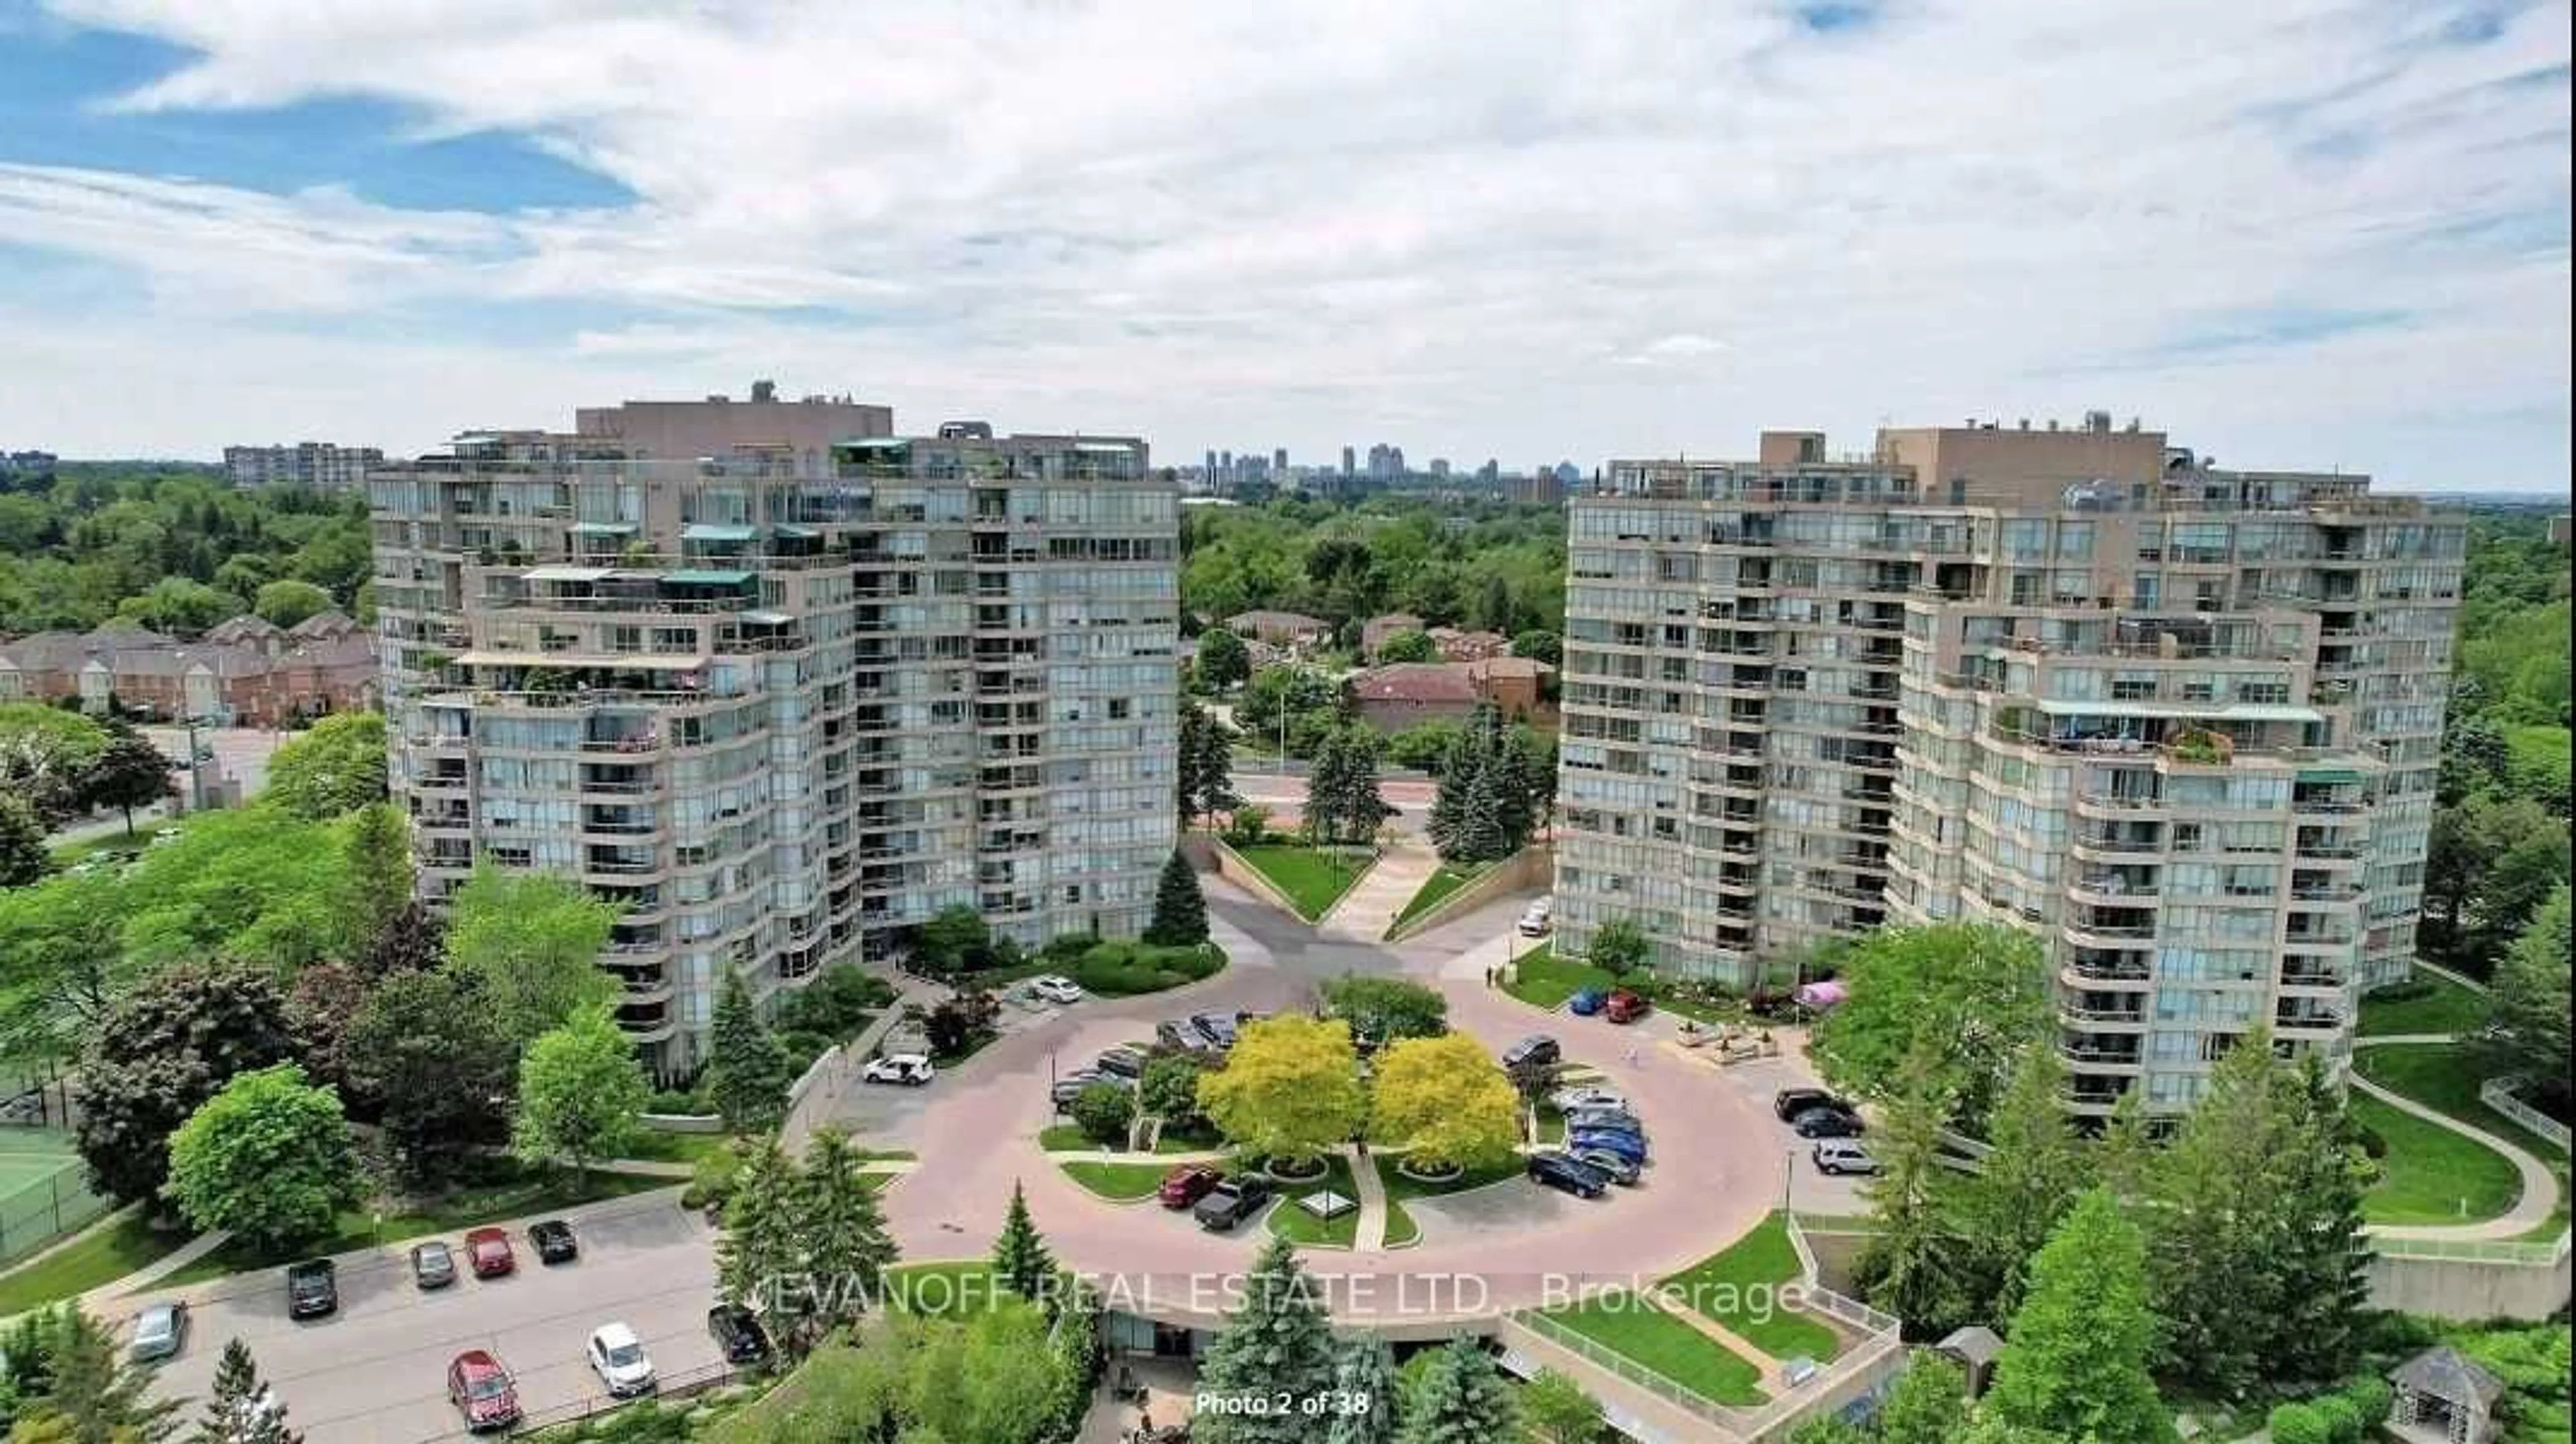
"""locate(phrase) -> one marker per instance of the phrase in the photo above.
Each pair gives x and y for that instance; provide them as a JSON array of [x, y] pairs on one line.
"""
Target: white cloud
[[1310, 223]]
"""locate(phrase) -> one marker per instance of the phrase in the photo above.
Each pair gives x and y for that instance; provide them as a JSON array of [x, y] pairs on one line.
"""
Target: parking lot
[[374, 1372]]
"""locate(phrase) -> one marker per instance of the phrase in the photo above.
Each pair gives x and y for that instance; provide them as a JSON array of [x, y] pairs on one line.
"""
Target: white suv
[[911, 1069], [1536, 921]]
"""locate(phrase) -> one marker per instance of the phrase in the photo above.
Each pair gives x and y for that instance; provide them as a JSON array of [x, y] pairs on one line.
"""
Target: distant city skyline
[[1521, 230]]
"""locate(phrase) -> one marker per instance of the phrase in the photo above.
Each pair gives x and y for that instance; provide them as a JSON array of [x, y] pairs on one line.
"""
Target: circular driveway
[[1718, 1155]]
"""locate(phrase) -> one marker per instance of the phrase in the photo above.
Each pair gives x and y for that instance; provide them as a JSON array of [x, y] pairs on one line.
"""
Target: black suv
[[1788, 1103], [1121, 1063], [1558, 1170], [1537, 1048], [1825, 1123], [312, 1289], [1230, 1203], [1217, 1028], [554, 1241], [738, 1334]]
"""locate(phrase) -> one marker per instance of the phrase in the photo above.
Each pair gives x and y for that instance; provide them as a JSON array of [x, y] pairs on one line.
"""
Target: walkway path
[[2539, 1184], [1365, 912], [823, 1100], [1677, 1305], [1370, 1234]]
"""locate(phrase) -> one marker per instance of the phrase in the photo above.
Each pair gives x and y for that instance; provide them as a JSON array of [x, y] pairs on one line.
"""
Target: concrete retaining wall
[[1231, 866], [1532, 866], [2469, 1289], [681, 1122]]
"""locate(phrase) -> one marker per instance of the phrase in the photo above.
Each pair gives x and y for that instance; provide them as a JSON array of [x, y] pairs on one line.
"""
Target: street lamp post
[[196, 772], [1788, 1174]]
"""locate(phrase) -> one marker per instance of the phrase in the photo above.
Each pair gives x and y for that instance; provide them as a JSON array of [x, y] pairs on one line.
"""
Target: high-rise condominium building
[[2181, 723], [322, 465], [782, 709]]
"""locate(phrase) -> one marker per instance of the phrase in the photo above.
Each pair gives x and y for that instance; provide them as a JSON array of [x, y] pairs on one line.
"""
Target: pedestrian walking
[[1632, 1055]]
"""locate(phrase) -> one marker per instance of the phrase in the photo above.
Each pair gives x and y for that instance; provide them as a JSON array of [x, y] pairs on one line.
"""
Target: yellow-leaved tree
[[1289, 1090], [1445, 1102]]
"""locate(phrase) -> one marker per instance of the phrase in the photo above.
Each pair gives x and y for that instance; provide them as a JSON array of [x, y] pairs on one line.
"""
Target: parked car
[[1537, 1048], [1055, 989], [160, 1332], [1181, 1033], [1825, 1123], [1186, 1185], [482, 1391], [738, 1334], [1613, 1120], [1217, 1028], [1586, 1002], [1625, 1007], [1230, 1202], [433, 1265], [1788, 1103], [1122, 1063], [554, 1241], [1630, 1146], [1616, 1167], [1070, 1086], [312, 1289], [1536, 919], [1565, 1171], [908, 1069], [1566, 1100], [618, 1358], [1841, 1155], [488, 1250]]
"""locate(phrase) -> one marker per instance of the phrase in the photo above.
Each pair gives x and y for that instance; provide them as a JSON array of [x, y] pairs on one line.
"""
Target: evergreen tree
[[1020, 1258], [1276, 1341], [2125, 1157], [2037, 1168], [2076, 1361], [2323, 1256], [1462, 1399], [23, 855], [1180, 909], [240, 1408], [747, 1069], [1185, 771], [95, 1396], [1324, 788], [839, 1228], [756, 1255], [1481, 833], [1458, 773], [1557, 1410], [1368, 1391], [1911, 1265], [1361, 805]]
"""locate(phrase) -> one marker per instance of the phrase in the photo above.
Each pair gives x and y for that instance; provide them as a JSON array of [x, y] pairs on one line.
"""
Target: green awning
[[693, 578], [2328, 774], [705, 531], [603, 528]]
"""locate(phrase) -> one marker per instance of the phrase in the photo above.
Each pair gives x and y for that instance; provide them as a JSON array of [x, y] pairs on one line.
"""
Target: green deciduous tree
[[1978, 992], [1618, 947], [240, 1408], [1103, 1112], [129, 772], [1461, 1399], [158, 1054], [1444, 1100], [531, 941], [267, 1157], [992, 1378], [287, 602], [955, 940], [1406, 647], [580, 1090], [2034, 1173], [1912, 1266], [1559, 1412], [378, 878], [748, 1073], [1222, 661], [337, 766], [23, 855], [1387, 1008], [44, 754], [2075, 1362], [1288, 1089], [1277, 1340], [1169, 1088], [1929, 1404], [430, 1062], [2528, 1019], [1180, 909], [1021, 1262]]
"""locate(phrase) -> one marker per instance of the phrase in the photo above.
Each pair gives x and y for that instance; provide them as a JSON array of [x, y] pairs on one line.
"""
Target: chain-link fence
[[42, 1210]]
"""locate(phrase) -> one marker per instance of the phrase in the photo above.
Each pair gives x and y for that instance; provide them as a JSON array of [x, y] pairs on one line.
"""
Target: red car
[[1624, 1006], [482, 1391], [1186, 1185], [489, 1251]]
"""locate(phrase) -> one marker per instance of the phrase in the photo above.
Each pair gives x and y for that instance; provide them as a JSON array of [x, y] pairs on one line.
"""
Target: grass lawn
[[661, 1147], [2430, 1170], [1313, 878], [465, 1208], [954, 1289], [1630, 1326], [1738, 1288], [1065, 1138], [108, 1252], [1442, 882], [1551, 1125], [2445, 1077], [2448, 1008], [1300, 1227], [1118, 1182], [1201, 1139], [1400, 1227]]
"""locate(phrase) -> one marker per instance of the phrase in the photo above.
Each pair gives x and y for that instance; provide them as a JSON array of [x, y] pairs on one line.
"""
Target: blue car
[[1629, 1146], [1586, 1002]]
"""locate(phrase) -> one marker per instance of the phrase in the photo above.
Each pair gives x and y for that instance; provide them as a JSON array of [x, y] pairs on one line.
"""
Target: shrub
[[1247, 826], [2298, 1424], [678, 1102], [711, 1179], [2342, 1420], [1065, 950], [2370, 1397], [1124, 969], [1103, 1111]]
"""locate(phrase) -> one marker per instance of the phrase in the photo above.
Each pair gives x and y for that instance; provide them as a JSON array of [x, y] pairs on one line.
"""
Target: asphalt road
[[375, 1372]]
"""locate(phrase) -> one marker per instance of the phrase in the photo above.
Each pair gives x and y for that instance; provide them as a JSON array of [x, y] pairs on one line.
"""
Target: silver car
[[159, 1332]]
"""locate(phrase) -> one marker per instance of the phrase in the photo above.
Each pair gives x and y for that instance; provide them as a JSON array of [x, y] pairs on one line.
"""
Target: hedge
[[1124, 969], [2298, 1424]]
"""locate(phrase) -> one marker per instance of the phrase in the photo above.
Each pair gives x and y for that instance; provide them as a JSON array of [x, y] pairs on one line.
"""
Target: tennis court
[[43, 1195]]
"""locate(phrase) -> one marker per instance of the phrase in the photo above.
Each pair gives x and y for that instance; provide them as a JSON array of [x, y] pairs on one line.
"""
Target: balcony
[[2119, 841], [2292, 1018]]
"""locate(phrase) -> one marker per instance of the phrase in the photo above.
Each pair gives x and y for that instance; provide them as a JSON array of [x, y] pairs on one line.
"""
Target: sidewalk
[[1365, 912], [1370, 1235]]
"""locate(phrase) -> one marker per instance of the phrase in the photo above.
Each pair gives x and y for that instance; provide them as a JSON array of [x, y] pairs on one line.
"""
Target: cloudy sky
[[2292, 232]]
